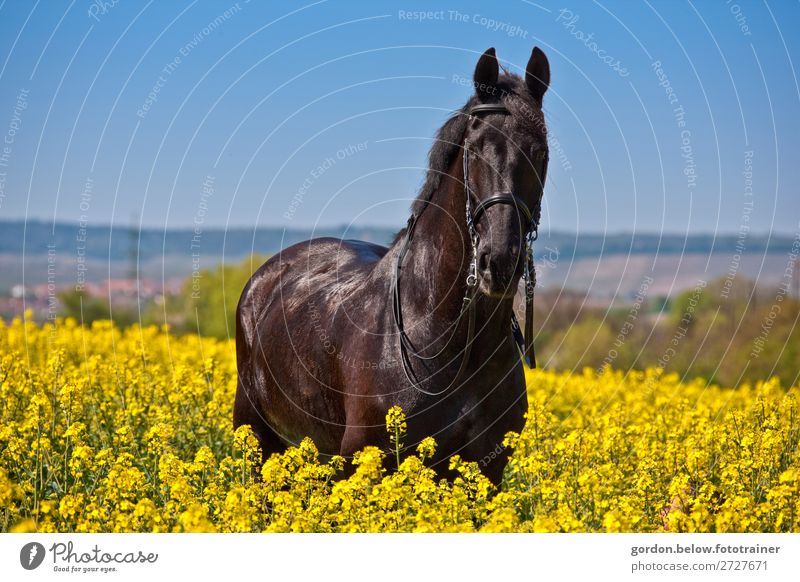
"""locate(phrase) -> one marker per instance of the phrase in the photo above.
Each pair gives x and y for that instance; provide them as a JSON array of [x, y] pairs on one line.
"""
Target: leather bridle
[[531, 218]]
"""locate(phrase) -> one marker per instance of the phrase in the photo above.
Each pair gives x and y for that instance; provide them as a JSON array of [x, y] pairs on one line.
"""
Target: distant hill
[[104, 242]]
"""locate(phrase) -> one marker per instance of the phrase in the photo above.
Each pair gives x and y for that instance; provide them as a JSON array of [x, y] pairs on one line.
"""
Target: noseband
[[531, 219]]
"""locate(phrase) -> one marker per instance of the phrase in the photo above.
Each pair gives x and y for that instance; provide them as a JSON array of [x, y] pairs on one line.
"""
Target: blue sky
[[321, 113]]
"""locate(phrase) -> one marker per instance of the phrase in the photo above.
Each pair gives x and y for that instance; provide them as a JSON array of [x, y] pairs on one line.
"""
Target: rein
[[524, 343]]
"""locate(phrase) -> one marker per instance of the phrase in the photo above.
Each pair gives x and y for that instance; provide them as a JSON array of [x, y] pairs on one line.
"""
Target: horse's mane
[[512, 92]]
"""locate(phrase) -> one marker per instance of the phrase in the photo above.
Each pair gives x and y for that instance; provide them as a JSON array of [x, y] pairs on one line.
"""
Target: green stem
[[397, 446]]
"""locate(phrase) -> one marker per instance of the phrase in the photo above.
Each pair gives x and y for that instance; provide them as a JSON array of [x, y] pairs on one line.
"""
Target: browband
[[488, 108]]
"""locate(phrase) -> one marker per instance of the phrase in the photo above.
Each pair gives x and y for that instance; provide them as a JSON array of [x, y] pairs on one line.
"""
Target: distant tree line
[[725, 332]]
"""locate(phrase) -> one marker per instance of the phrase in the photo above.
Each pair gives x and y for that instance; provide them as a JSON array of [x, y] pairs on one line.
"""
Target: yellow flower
[[426, 448]]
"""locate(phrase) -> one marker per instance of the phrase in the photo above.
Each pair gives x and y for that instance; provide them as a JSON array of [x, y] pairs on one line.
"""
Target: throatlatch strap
[[530, 353], [530, 289], [525, 343]]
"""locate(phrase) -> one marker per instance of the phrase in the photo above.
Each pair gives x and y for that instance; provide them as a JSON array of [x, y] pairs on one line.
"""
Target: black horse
[[332, 333]]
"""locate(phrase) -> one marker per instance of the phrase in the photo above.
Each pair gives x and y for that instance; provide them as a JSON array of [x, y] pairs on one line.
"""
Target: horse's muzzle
[[498, 277]]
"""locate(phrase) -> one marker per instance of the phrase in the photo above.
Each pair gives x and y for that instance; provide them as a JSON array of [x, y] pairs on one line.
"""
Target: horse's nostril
[[483, 261]]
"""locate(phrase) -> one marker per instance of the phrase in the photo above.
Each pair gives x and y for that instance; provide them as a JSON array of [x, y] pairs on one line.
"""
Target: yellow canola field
[[110, 430]]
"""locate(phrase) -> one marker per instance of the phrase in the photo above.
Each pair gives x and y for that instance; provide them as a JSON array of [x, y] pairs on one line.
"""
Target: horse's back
[[318, 266]]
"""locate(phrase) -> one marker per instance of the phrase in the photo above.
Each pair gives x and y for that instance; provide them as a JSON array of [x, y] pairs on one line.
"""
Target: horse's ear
[[486, 72], [537, 74]]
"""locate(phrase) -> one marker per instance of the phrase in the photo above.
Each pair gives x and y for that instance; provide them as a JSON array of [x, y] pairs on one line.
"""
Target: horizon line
[[342, 226]]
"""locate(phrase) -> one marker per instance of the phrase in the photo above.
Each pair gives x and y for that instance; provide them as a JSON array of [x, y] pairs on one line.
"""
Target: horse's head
[[505, 144]]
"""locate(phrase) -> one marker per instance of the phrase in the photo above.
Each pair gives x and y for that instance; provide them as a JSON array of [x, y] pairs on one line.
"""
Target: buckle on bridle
[[472, 274], [530, 287]]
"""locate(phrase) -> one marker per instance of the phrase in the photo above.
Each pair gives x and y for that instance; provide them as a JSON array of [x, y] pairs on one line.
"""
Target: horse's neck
[[440, 254], [434, 274]]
